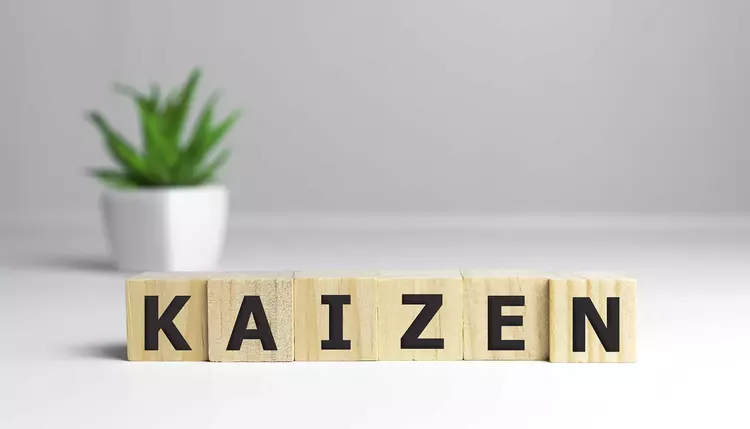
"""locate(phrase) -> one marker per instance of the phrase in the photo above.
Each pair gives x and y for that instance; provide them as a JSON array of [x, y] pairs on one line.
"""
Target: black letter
[[496, 321], [336, 339], [251, 306], [432, 304], [608, 335], [153, 323]]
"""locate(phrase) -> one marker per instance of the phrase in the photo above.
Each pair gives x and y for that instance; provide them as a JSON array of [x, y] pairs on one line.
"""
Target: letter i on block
[[251, 317], [166, 318], [506, 315], [592, 319], [420, 315], [335, 316]]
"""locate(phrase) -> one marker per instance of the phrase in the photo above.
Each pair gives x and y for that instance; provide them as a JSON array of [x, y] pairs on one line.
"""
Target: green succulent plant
[[168, 158]]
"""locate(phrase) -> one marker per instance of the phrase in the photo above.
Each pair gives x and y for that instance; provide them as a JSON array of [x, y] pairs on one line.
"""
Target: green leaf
[[160, 156], [166, 160], [205, 138], [208, 173], [192, 154], [119, 148], [220, 131], [178, 107], [203, 125], [147, 105], [114, 178], [154, 99], [151, 100], [154, 161], [127, 91]]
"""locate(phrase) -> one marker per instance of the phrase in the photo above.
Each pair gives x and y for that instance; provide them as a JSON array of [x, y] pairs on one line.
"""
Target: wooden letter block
[[592, 319], [420, 316], [166, 318], [506, 316], [250, 317], [335, 316]]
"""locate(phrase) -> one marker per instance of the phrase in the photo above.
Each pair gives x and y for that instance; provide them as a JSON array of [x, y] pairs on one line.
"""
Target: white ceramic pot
[[166, 229]]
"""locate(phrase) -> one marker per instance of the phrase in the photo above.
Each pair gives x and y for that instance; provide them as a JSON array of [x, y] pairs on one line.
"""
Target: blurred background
[[555, 135], [493, 107]]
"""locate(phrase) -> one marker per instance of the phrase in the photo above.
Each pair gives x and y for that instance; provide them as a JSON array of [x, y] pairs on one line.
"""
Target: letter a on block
[[166, 318], [250, 317], [592, 319]]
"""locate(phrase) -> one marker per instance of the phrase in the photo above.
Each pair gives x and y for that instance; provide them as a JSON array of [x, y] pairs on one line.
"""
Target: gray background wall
[[398, 105]]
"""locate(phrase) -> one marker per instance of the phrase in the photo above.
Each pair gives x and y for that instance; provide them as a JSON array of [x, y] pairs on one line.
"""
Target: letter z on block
[[420, 316]]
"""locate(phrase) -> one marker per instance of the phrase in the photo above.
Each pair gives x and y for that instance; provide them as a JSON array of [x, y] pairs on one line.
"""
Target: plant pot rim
[[164, 190]]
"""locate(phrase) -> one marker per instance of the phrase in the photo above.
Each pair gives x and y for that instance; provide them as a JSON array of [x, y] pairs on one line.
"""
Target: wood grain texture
[[598, 288], [394, 318], [225, 297], [312, 318], [534, 287], [191, 320]]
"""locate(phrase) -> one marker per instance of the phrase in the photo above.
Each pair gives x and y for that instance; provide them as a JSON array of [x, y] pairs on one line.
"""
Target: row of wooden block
[[339, 316]]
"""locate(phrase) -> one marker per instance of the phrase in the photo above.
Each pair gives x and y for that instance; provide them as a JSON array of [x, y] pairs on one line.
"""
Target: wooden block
[[506, 315], [250, 317], [582, 305], [420, 316], [166, 317], [335, 316]]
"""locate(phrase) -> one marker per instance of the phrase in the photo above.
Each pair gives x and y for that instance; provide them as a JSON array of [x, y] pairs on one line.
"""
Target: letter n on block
[[166, 318], [592, 319], [251, 317], [420, 315]]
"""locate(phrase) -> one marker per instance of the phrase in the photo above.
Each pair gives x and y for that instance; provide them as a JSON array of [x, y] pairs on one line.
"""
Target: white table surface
[[63, 339]]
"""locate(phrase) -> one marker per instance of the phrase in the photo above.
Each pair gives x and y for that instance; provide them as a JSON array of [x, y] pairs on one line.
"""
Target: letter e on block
[[592, 319], [250, 317], [166, 318], [506, 315]]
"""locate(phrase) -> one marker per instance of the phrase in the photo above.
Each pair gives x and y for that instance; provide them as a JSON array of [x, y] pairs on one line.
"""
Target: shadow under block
[[335, 316], [581, 306], [506, 316], [166, 318], [251, 317], [420, 316]]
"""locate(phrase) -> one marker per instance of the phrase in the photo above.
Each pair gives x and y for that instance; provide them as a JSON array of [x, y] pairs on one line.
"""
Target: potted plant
[[162, 210]]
